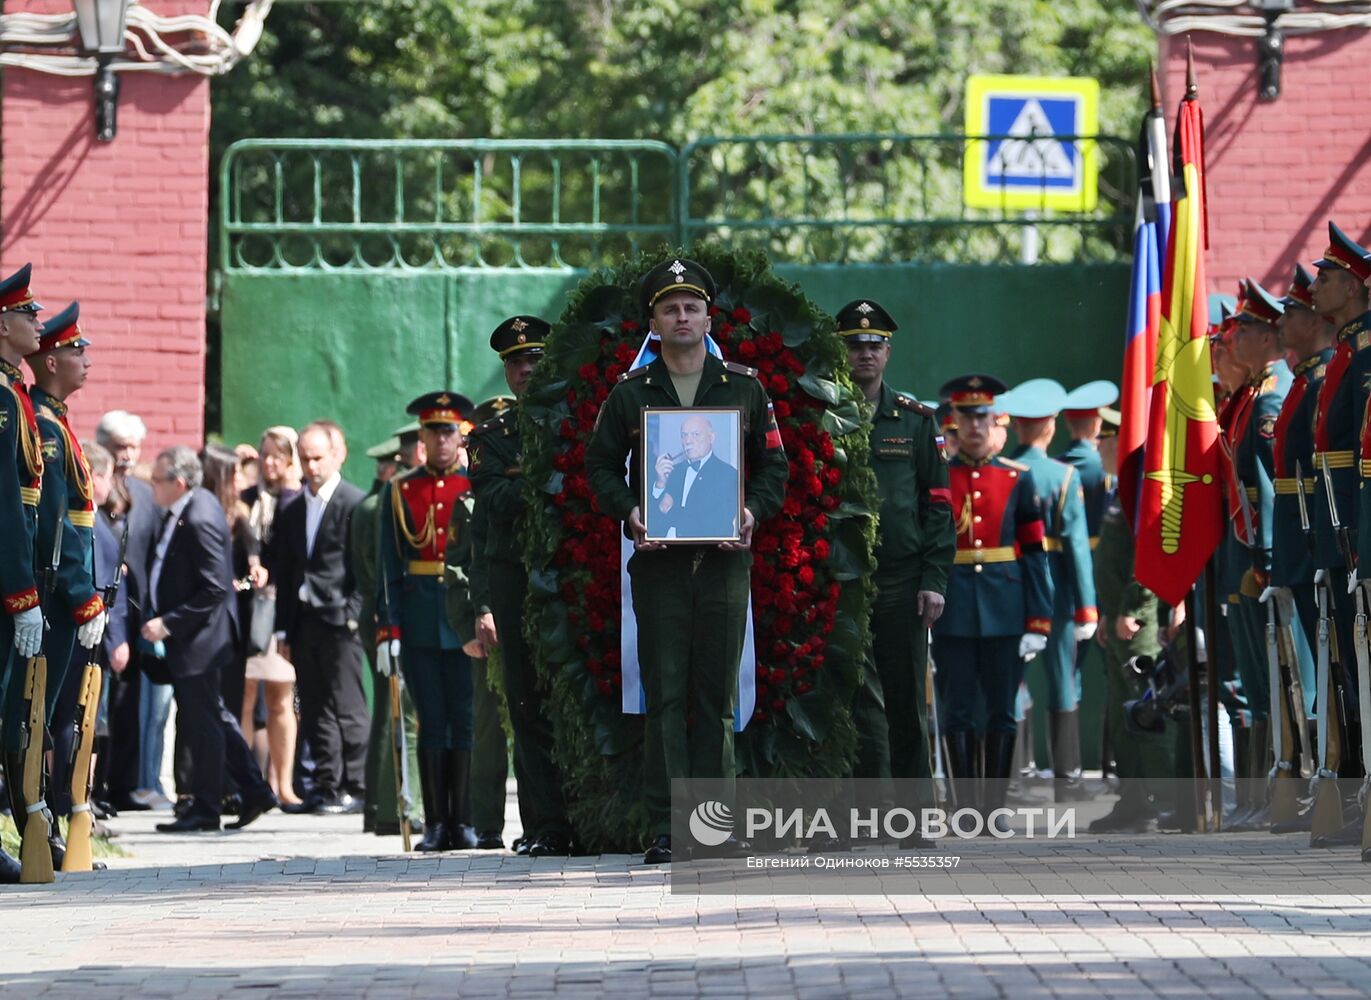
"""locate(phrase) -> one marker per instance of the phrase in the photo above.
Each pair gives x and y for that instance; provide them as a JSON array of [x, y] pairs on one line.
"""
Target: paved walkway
[[306, 907]]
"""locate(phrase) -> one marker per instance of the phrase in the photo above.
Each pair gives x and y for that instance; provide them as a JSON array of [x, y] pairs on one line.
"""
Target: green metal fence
[[382, 205]]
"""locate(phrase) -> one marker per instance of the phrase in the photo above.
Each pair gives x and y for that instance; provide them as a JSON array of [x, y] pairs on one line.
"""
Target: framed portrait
[[692, 474]]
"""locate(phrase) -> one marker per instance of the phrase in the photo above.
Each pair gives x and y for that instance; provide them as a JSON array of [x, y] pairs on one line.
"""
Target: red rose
[[833, 475], [805, 575], [781, 409], [778, 704], [741, 315], [628, 326], [779, 385], [820, 522], [821, 549], [747, 349]]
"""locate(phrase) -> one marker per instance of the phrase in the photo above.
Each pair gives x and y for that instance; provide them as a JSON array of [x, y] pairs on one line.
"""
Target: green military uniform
[[499, 587], [419, 509], [1144, 760], [381, 811], [914, 553], [21, 480], [491, 753], [691, 601]]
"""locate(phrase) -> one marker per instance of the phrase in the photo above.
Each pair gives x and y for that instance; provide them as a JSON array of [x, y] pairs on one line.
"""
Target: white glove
[[1086, 631], [1352, 582], [1267, 594], [28, 632], [88, 636], [1031, 645], [387, 656]]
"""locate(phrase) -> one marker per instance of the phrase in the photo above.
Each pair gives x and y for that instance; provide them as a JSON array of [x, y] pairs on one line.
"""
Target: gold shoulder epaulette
[[633, 373], [1318, 372], [912, 404], [738, 369], [1013, 464]]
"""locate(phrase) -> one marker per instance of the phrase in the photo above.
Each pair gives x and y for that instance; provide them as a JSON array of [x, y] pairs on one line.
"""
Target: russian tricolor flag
[[1151, 230]]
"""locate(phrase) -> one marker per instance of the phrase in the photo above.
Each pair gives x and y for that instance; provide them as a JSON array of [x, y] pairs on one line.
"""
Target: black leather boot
[[962, 757], [999, 759], [1067, 783], [461, 834], [433, 778]]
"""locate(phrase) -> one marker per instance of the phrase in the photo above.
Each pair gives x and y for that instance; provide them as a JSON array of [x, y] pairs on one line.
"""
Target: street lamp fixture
[[100, 23], [1271, 48]]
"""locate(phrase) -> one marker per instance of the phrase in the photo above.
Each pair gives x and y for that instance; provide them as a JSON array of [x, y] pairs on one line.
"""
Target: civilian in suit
[[193, 615], [698, 496], [317, 608], [129, 506], [114, 643]]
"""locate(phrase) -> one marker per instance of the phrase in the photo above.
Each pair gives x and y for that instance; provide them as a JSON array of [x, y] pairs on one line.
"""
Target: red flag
[[1180, 516]]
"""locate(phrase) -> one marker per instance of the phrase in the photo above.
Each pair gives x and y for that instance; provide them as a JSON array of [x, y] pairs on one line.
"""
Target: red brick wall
[[1279, 171], [120, 226]]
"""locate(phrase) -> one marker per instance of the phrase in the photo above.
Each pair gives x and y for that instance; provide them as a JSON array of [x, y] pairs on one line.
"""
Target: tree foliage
[[670, 69]]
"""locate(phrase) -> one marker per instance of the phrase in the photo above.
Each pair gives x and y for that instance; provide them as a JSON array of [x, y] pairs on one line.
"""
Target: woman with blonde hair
[[279, 482]]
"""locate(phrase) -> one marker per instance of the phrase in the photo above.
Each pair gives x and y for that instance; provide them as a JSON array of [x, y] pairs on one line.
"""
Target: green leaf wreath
[[811, 598]]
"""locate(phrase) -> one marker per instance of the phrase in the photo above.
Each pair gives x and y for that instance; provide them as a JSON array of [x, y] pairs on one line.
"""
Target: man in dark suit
[[130, 505], [317, 608], [190, 583], [697, 492]]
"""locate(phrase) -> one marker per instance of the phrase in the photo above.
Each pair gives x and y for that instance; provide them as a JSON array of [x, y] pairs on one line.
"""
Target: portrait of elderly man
[[695, 491]]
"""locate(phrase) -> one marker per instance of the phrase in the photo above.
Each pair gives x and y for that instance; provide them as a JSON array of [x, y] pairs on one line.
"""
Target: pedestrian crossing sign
[[1030, 143]]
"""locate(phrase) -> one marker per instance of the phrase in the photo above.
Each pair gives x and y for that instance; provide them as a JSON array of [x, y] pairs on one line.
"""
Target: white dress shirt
[[174, 513], [315, 505]]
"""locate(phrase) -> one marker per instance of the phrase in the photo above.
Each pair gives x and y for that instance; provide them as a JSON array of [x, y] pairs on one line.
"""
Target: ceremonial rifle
[[1328, 817], [930, 686], [79, 857], [35, 851]]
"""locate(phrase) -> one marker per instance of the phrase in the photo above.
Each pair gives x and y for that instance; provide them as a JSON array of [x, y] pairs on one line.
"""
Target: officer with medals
[[691, 600], [999, 596], [499, 585], [419, 509], [1034, 406], [491, 752], [380, 812], [1082, 414], [75, 613], [914, 549], [1340, 296], [21, 481], [1290, 596], [1257, 347]]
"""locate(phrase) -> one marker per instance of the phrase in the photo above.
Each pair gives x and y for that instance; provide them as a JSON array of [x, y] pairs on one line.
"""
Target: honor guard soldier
[[21, 480], [381, 810], [419, 509], [999, 599], [75, 612], [499, 584], [691, 600], [1340, 296], [491, 751], [1082, 413], [1289, 599], [1034, 406], [1256, 344], [914, 548]]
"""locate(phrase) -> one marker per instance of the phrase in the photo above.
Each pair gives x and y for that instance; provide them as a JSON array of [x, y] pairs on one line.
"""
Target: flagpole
[[1198, 785], [1211, 615]]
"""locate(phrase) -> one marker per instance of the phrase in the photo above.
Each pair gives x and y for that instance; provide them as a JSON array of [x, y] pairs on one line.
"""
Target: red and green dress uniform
[[1337, 429], [21, 482], [998, 590], [499, 586], [416, 511], [914, 553], [67, 497], [1292, 562], [1233, 562], [690, 600]]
